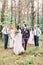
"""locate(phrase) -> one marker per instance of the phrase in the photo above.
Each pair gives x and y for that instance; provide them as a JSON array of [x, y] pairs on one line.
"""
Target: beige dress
[[11, 38], [31, 38]]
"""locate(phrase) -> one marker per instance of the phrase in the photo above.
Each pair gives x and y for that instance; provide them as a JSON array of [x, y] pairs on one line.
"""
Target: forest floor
[[33, 55]]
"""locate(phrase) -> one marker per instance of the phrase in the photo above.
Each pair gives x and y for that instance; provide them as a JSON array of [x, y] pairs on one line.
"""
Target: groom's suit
[[25, 35]]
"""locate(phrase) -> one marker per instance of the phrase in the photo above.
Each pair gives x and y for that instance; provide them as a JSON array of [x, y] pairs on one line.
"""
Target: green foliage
[[7, 18], [26, 61], [31, 51], [1, 26], [30, 59], [41, 25]]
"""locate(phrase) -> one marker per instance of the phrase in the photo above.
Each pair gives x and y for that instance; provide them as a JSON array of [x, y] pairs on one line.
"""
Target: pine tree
[[32, 13], [3, 10], [37, 11]]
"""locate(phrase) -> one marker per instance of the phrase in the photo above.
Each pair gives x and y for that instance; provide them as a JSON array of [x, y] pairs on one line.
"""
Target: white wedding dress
[[18, 44]]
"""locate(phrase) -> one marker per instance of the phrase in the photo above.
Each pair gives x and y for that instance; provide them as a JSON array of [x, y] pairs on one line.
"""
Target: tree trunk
[[19, 12], [42, 9], [15, 12], [27, 11], [3, 10], [37, 11], [32, 13], [11, 10]]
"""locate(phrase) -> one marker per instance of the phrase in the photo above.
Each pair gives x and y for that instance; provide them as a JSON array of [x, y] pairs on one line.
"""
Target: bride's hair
[[18, 27]]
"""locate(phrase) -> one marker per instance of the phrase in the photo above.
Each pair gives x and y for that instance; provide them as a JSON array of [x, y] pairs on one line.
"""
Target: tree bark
[[37, 11], [19, 12], [32, 13], [42, 9], [3, 10], [11, 10]]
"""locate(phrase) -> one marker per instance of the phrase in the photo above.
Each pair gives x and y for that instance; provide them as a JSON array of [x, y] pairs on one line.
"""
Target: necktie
[[6, 30], [36, 31]]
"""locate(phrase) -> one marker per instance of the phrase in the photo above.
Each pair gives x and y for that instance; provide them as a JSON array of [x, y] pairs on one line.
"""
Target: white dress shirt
[[37, 31], [5, 30]]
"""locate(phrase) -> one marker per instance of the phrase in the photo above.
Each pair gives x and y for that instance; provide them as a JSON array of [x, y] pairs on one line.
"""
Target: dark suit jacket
[[25, 33]]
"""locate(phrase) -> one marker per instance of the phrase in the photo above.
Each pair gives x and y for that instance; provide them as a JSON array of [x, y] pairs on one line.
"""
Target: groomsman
[[25, 35], [5, 33], [37, 33]]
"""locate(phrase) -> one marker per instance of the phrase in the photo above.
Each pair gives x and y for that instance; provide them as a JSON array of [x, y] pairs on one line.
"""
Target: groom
[[25, 35], [5, 33]]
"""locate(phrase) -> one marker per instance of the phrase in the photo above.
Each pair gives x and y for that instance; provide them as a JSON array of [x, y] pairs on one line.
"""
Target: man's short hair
[[25, 25]]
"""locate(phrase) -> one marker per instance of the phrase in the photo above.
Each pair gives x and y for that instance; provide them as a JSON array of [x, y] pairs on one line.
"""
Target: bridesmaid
[[31, 38], [11, 36]]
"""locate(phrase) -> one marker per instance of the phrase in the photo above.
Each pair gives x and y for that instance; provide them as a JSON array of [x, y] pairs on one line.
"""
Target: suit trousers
[[5, 41], [36, 40], [24, 44]]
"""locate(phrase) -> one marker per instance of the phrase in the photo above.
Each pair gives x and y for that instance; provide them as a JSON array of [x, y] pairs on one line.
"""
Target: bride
[[18, 42]]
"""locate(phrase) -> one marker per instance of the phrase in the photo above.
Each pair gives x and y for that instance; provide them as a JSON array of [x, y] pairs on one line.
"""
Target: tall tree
[[23, 9], [42, 17], [42, 9], [19, 11], [32, 13], [37, 11], [3, 10], [15, 12], [27, 7], [11, 10]]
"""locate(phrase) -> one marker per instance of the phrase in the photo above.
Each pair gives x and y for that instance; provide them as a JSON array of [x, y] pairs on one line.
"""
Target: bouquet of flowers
[[16, 32]]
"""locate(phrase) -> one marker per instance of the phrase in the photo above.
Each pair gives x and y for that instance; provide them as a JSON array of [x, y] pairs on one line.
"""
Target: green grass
[[32, 56]]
